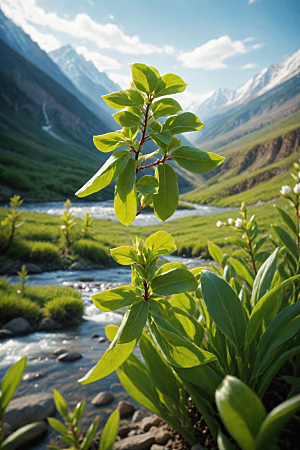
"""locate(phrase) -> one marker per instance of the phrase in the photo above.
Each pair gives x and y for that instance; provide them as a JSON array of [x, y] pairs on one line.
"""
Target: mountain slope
[[84, 75], [211, 104]]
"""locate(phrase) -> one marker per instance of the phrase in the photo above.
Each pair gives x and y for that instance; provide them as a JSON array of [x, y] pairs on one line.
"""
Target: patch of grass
[[12, 305], [91, 251], [44, 253], [65, 310], [44, 294]]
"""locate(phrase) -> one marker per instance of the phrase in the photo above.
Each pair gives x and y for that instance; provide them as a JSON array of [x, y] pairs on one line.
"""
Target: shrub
[[44, 253], [91, 251], [4, 282], [19, 250], [12, 305], [65, 310], [43, 294]]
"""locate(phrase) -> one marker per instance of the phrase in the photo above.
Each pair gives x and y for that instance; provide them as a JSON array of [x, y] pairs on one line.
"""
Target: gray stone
[[151, 421], [36, 434], [124, 430], [132, 433], [18, 326], [76, 266], [103, 398], [85, 279], [69, 357], [138, 416], [6, 334], [162, 436], [125, 409], [48, 324], [33, 268], [101, 339], [29, 408], [30, 376], [94, 336], [60, 351], [139, 442]]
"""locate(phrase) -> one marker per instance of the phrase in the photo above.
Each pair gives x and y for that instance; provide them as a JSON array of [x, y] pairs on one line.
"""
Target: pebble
[[138, 416], [101, 339], [103, 398], [60, 351], [69, 357], [125, 409], [94, 336], [32, 376]]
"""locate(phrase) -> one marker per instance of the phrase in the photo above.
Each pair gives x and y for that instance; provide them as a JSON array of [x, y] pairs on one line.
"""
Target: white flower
[[219, 224], [239, 223], [298, 174], [297, 189], [231, 221], [285, 190]]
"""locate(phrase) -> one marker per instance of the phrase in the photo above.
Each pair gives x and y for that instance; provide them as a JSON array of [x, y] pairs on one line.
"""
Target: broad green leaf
[[262, 308], [175, 281], [287, 240], [184, 301], [159, 370], [224, 307], [275, 421], [166, 200], [183, 123], [114, 356], [242, 270], [127, 119], [108, 142], [169, 84], [111, 331], [117, 298], [241, 411], [155, 126], [165, 107], [60, 403], [144, 77], [147, 185], [169, 266], [259, 244], [162, 140], [287, 219], [187, 325], [121, 99], [130, 132], [202, 376], [10, 383], [125, 255], [125, 203], [58, 426], [136, 319], [195, 160], [264, 277], [17, 434], [238, 242], [110, 431], [113, 167], [215, 251], [159, 244], [223, 442]]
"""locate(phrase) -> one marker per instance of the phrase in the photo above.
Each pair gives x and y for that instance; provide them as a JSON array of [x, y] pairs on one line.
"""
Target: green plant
[[23, 274], [65, 310], [4, 282], [142, 111], [8, 387], [68, 224], [71, 431], [13, 219], [87, 224], [13, 306], [44, 253], [92, 251]]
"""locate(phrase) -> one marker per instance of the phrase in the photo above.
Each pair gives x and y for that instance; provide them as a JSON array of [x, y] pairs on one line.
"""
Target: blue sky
[[210, 43]]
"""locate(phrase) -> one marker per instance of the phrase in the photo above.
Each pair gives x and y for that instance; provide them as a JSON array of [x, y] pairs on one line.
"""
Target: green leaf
[[144, 77], [17, 434], [262, 308], [10, 383], [241, 411], [287, 240], [162, 139], [295, 389], [125, 255], [155, 126], [159, 244], [215, 252], [125, 203], [90, 434], [275, 421], [165, 107], [108, 142], [287, 219], [136, 318], [223, 442], [184, 301], [58, 426], [175, 281], [202, 376], [127, 119], [60, 403], [169, 266], [121, 99], [183, 123], [169, 84], [166, 200], [224, 307], [242, 270], [195, 160], [187, 326], [109, 434], [264, 277], [238, 242], [117, 298], [147, 185], [111, 331], [113, 167]]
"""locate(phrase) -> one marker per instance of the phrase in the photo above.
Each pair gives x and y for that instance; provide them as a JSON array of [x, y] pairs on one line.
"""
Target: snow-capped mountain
[[84, 74], [270, 77]]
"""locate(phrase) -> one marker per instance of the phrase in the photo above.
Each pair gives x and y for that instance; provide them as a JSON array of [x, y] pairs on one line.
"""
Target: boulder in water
[[69, 357], [18, 326]]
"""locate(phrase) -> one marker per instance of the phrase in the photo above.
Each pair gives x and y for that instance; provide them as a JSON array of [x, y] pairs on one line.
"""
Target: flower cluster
[[285, 191], [237, 223]]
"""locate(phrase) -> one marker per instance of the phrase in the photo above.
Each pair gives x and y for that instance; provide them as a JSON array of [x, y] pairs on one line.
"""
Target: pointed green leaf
[[162, 139], [127, 119], [195, 160], [147, 185], [110, 432], [287, 240], [125, 255], [10, 383], [215, 252], [136, 320], [60, 403], [144, 77], [166, 200], [175, 281], [242, 270], [169, 84], [125, 203], [165, 107], [159, 244], [117, 298], [264, 277], [183, 123], [58, 426], [121, 99], [108, 142], [287, 219], [17, 434]]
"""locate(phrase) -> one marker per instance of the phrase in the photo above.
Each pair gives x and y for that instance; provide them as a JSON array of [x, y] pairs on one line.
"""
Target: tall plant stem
[[251, 256]]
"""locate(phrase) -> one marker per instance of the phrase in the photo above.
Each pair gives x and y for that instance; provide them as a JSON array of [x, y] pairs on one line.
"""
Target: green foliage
[[67, 224], [87, 224], [12, 220], [91, 251], [140, 110], [44, 253], [65, 310], [12, 305], [23, 274]]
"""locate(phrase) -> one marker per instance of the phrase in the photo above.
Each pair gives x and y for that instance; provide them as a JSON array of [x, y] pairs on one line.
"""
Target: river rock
[[124, 429], [86, 279], [125, 409], [94, 336], [101, 339], [60, 351], [35, 435], [150, 421], [48, 324], [69, 357], [138, 416], [138, 442], [103, 398], [162, 436], [30, 376], [6, 334], [18, 326], [76, 266], [29, 408], [33, 268]]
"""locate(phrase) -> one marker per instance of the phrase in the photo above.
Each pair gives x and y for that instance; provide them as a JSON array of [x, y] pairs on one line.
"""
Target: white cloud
[[122, 80], [248, 66], [112, 17], [47, 42], [102, 62], [105, 36], [252, 1], [169, 49], [213, 54], [188, 98]]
